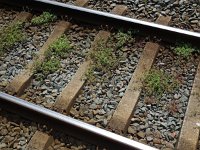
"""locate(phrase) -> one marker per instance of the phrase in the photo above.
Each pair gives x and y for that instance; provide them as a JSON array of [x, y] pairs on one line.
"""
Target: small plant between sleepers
[[47, 67], [184, 50], [103, 56], [157, 82], [10, 35], [60, 48], [45, 17], [122, 38], [103, 59], [57, 50]]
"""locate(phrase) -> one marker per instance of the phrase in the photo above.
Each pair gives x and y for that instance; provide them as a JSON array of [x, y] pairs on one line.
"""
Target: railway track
[[150, 10], [105, 77]]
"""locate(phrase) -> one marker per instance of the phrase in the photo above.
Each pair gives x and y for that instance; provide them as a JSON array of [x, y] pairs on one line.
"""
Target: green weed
[[47, 67], [89, 75], [60, 48], [184, 50], [10, 35], [103, 56], [157, 82], [103, 59], [45, 17], [122, 38]]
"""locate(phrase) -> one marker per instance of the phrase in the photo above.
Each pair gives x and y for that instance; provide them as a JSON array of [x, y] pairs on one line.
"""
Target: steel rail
[[69, 125], [103, 18]]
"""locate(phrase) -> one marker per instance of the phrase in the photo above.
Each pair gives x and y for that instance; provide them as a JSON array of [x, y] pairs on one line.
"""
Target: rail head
[[67, 124]]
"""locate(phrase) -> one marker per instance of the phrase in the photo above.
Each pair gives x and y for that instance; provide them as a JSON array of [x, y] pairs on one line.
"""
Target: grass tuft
[[59, 49], [184, 50], [157, 82], [122, 38], [103, 59], [47, 67], [45, 17], [103, 56], [10, 35]]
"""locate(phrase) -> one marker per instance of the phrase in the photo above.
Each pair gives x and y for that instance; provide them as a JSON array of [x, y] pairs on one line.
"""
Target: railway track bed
[[138, 86]]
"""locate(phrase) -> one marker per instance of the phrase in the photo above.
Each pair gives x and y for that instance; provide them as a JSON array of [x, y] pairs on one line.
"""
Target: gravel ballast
[[157, 122], [15, 132], [6, 17]]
